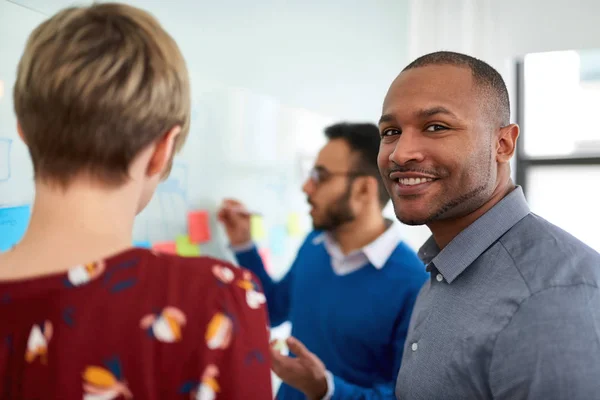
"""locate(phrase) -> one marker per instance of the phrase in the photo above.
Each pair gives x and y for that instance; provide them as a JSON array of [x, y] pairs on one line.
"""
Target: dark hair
[[363, 139], [485, 76]]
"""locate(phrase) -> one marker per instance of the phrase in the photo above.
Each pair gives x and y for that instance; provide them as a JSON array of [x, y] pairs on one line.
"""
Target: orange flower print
[[165, 326], [207, 389], [254, 298], [219, 332], [82, 274], [105, 383], [37, 344], [223, 274]]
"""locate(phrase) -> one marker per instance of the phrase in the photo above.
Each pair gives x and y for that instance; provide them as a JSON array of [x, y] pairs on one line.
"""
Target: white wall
[[335, 57], [501, 31]]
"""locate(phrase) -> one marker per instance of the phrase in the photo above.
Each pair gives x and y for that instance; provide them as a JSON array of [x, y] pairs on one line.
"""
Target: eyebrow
[[421, 114], [430, 112], [386, 118]]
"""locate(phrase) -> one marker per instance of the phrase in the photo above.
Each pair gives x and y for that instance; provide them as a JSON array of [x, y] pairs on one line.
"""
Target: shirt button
[[414, 346], [439, 277]]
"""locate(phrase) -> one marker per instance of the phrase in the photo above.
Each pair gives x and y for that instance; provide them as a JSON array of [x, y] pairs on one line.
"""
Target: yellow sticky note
[[257, 227], [185, 247], [293, 225]]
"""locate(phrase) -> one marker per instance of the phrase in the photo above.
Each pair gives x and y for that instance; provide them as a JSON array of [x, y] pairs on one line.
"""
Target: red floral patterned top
[[136, 325]]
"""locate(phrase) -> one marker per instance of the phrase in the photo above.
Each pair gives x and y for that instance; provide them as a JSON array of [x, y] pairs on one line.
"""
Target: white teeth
[[414, 181]]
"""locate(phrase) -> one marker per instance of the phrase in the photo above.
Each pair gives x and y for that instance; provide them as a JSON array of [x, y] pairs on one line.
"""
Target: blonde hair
[[95, 86]]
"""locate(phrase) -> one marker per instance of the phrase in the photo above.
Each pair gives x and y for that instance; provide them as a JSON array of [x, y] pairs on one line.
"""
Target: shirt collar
[[377, 252], [469, 244], [381, 249]]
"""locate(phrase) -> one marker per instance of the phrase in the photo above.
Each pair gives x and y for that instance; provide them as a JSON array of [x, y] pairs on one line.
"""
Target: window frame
[[522, 161]]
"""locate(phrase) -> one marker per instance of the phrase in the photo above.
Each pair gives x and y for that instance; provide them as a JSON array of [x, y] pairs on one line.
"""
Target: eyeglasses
[[319, 174]]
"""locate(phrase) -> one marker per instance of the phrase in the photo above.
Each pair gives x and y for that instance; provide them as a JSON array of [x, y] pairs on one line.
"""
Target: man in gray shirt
[[512, 309]]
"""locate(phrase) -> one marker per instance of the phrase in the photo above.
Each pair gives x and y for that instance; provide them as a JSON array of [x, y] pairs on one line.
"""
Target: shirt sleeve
[[237, 341], [551, 347]]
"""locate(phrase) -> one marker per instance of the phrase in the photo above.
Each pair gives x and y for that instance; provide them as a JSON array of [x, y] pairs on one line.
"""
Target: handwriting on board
[[13, 224]]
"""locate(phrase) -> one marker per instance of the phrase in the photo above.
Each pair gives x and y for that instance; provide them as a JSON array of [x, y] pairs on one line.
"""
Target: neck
[[360, 232], [445, 230], [81, 224]]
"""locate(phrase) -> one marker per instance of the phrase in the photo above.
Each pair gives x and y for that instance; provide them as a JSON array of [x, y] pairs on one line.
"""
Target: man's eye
[[436, 128], [390, 132]]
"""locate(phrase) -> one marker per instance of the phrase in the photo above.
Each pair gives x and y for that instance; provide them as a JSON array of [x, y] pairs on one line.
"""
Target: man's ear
[[506, 143], [163, 152], [366, 187]]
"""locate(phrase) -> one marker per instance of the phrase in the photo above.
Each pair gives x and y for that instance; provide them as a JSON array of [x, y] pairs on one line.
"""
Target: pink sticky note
[[265, 254], [165, 247], [198, 226]]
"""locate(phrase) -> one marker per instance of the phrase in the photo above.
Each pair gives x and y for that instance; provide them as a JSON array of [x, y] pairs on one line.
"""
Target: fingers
[[298, 348], [281, 365], [231, 211], [232, 203]]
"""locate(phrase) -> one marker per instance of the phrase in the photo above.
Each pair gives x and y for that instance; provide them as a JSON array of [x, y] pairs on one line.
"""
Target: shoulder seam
[[515, 265], [532, 294]]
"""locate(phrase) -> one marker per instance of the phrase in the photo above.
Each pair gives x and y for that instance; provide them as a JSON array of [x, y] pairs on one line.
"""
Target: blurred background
[[268, 76]]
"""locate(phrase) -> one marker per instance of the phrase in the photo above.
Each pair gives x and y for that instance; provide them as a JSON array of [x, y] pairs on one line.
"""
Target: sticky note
[[277, 237], [13, 224], [165, 247], [198, 226], [265, 255], [185, 247], [257, 227], [294, 225], [142, 244]]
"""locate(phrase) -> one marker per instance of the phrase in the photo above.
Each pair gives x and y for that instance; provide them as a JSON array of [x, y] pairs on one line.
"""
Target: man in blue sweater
[[350, 292]]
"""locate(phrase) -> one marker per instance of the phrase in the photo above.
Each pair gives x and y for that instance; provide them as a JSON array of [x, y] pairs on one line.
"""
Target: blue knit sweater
[[355, 323]]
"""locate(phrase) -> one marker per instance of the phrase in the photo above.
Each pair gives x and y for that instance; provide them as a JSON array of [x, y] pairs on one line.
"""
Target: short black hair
[[363, 139], [485, 76]]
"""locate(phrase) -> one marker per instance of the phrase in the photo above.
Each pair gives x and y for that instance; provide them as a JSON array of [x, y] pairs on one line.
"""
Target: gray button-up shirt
[[512, 311]]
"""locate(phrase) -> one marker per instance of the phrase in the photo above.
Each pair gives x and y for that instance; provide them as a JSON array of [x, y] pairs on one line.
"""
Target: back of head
[[363, 139], [95, 86], [486, 77]]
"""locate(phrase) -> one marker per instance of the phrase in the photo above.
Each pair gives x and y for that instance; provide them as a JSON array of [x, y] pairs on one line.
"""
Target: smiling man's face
[[436, 155]]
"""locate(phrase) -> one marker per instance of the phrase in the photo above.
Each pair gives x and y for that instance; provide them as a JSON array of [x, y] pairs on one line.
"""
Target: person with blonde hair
[[102, 100]]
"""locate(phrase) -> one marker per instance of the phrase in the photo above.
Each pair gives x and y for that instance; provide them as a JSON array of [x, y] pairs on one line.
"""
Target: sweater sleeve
[[343, 390], [278, 293]]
